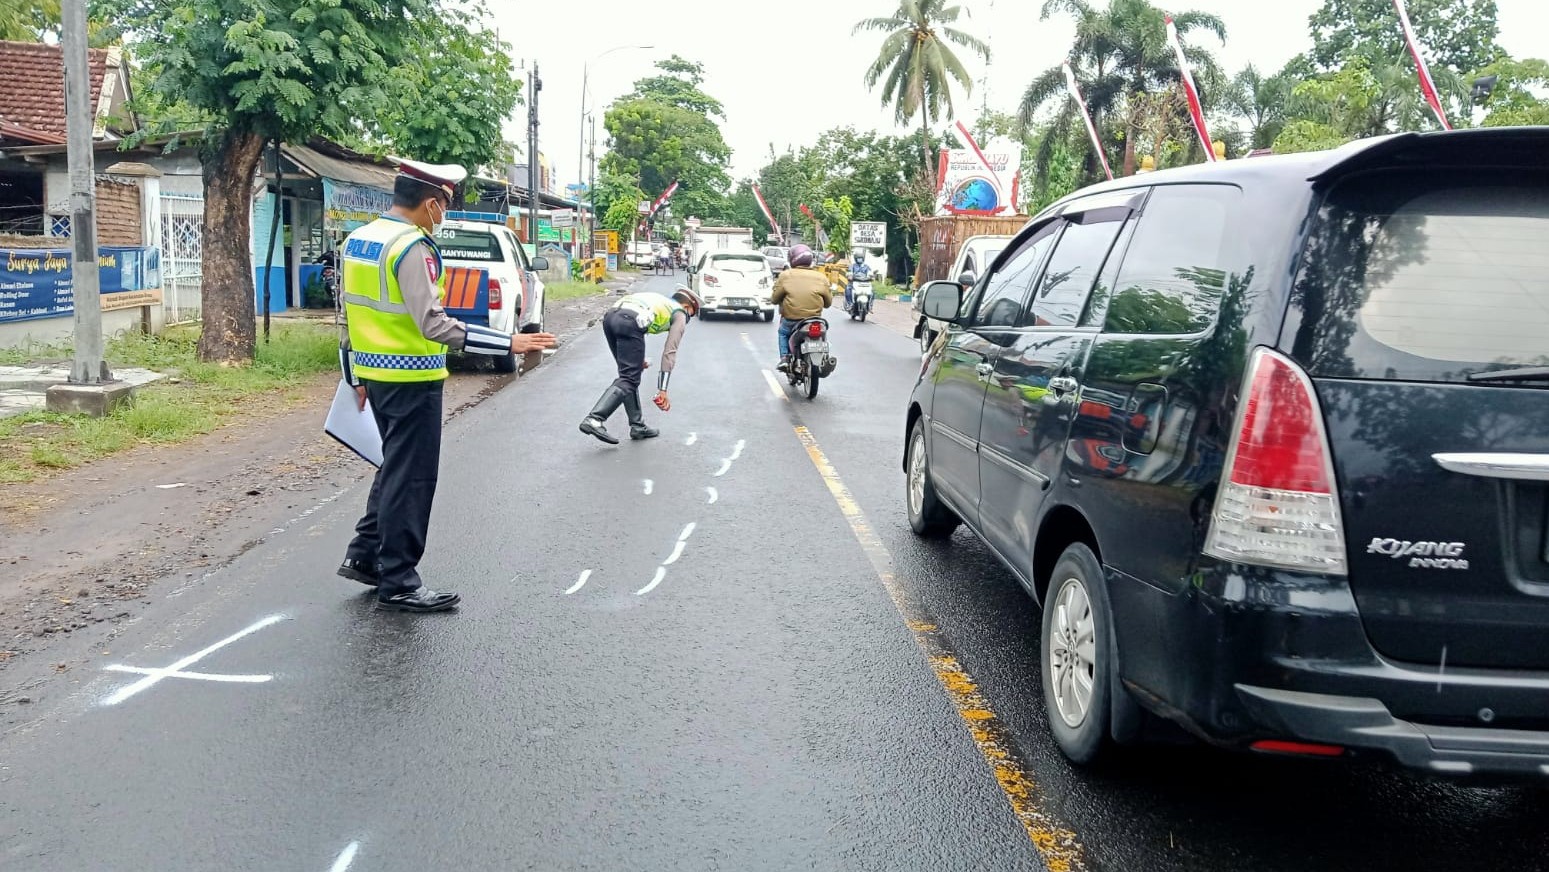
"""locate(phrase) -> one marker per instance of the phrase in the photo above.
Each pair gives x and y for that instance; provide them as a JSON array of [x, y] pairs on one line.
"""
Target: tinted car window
[[1005, 291], [469, 244], [1426, 277], [1073, 268], [1175, 269]]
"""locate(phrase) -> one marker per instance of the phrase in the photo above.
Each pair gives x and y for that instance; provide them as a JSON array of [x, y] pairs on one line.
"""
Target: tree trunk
[[925, 149], [226, 290], [1130, 132]]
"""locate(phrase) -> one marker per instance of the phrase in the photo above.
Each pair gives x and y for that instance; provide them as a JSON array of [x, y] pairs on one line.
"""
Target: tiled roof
[[34, 93]]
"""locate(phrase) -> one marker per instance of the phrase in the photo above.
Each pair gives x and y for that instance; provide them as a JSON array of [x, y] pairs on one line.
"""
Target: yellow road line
[[1061, 852]]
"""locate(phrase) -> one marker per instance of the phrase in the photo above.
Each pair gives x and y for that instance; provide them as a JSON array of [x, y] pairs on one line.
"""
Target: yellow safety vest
[[659, 308], [386, 343]]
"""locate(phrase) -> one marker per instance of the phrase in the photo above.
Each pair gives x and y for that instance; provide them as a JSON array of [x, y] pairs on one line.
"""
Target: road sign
[[868, 234], [644, 208], [563, 219], [691, 221]]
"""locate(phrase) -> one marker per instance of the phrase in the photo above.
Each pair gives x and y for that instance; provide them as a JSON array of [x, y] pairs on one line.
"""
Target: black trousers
[[392, 533], [626, 339]]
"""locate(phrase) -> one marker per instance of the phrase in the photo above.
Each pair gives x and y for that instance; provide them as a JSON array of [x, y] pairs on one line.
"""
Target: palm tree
[[1120, 53], [1261, 101], [916, 65]]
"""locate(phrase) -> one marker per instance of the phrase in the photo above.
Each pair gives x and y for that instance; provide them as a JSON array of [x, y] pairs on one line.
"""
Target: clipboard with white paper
[[354, 427]]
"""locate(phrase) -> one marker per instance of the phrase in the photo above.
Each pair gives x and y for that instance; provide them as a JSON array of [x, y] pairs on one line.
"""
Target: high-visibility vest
[[658, 308], [385, 341]]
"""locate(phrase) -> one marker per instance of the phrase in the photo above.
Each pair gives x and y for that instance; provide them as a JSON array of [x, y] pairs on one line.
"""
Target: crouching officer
[[625, 327], [398, 337]]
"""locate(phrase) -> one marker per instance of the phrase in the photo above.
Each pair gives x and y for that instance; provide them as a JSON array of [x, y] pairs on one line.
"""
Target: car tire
[[929, 517], [926, 339], [768, 316], [1075, 651]]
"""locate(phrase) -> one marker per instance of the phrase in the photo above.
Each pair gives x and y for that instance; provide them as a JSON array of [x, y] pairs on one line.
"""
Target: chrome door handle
[[1063, 384], [1525, 467]]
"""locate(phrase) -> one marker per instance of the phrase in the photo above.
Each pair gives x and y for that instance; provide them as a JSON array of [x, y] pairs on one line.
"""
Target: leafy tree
[[449, 102], [1365, 98], [789, 182], [1457, 34], [287, 70], [659, 144], [1514, 102], [916, 64], [27, 20], [1120, 53], [680, 88], [624, 210], [1260, 101]]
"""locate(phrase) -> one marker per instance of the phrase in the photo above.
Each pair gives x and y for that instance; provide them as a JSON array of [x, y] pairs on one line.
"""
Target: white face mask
[[435, 223]]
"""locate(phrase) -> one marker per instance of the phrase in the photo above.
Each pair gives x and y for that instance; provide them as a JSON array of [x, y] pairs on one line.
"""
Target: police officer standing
[[398, 335], [625, 327]]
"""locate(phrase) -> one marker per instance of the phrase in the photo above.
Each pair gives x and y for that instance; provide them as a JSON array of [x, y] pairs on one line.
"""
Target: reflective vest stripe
[[378, 305], [412, 362]]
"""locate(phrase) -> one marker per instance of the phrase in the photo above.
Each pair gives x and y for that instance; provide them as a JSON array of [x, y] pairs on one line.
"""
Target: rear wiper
[[1526, 373]]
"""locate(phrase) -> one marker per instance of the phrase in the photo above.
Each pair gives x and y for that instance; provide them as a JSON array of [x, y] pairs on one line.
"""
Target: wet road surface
[[719, 650]]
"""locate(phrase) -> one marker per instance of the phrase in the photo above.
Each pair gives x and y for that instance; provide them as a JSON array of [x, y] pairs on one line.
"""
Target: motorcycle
[[860, 299], [810, 356]]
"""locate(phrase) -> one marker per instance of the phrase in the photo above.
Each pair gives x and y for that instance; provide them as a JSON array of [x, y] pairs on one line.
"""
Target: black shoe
[[784, 365], [420, 599], [607, 404], [637, 428], [359, 570]]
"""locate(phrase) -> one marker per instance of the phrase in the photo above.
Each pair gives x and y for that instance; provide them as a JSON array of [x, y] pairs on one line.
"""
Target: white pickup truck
[[490, 281]]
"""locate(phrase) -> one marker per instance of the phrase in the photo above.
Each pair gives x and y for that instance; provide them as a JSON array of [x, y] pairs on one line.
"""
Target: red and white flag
[[1196, 111], [773, 224], [1427, 84], [666, 195], [1086, 116]]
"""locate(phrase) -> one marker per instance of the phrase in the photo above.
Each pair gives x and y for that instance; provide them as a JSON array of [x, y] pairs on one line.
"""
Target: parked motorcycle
[[860, 299], [811, 359]]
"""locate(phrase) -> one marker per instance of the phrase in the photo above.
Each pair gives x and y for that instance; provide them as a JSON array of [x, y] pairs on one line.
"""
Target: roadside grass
[[194, 399], [572, 290]]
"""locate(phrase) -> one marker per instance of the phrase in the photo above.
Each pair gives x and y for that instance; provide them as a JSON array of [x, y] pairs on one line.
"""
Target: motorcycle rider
[[801, 292], [625, 327], [859, 272]]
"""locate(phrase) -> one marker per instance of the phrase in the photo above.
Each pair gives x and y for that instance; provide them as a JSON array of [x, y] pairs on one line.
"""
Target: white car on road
[[734, 281], [490, 281], [976, 255]]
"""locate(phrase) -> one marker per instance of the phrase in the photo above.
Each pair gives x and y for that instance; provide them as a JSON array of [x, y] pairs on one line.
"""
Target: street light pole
[[586, 70], [88, 367], [534, 87]]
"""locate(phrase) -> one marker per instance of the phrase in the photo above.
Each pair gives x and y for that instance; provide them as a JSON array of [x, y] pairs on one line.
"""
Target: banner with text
[[972, 182], [39, 283], [348, 207]]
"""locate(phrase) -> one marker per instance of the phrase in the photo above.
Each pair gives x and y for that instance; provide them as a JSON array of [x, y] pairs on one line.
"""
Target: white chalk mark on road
[[687, 532], [196, 676], [677, 551], [737, 451], [661, 573], [649, 485], [345, 858], [692, 438], [725, 468], [579, 582], [155, 676], [774, 385], [714, 495]]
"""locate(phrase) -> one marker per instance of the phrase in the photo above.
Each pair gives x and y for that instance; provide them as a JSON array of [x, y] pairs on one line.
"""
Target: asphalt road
[[806, 686]]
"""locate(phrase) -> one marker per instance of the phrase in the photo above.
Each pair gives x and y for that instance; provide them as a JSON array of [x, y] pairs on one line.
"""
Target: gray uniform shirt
[[423, 298]]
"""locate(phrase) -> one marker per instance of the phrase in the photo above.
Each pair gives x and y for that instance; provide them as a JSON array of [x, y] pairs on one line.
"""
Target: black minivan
[[1268, 439]]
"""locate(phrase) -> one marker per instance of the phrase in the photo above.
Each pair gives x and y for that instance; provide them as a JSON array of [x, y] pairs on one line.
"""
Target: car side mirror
[[539, 263], [942, 301]]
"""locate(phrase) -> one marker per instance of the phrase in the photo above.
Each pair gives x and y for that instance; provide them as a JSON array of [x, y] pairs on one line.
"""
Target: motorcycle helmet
[[860, 258], [689, 299], [799, 255]]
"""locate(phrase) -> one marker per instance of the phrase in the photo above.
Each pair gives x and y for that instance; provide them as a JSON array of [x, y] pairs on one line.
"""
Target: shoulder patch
[[433, 268]]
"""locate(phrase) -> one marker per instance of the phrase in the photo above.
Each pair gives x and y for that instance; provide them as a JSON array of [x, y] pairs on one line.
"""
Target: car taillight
[[711, 280], [815, 330], [1278, 505], [496, 298]]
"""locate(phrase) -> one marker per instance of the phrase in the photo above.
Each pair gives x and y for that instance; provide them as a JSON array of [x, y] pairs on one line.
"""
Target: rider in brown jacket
[[801, 292]]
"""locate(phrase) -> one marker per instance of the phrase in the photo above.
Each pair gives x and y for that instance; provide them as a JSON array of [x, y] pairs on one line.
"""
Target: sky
[[792, 70]]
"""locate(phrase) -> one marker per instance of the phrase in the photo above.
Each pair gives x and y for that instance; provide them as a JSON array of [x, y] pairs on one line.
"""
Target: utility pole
[[591, 179], [88, 367], [534, 87]]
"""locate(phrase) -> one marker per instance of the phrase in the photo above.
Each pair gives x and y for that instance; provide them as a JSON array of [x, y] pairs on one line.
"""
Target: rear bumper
[[1365, 723], [1240, 656], [755, 306]]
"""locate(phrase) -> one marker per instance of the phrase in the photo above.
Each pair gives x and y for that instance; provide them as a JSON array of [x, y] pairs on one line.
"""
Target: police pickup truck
[[489, 279]]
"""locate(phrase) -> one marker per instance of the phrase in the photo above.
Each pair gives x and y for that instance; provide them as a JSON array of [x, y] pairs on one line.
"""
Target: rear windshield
[[1426, 277], [469, 245], [738, 262]]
